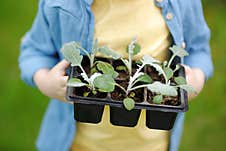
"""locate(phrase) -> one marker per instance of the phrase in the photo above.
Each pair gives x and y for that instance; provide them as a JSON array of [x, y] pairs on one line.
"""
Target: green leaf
[[179, 51], [106, 68], [144, 78], [85, 94], [165, 63], [180, 80], [157, 99], [136, 49], [126, 62], [163, 89], [121, 68], [139, 62], [136, 76], [93, 77], [129, 103], [133, 47], [168, 72], [177, 67], [132, 94], [188, 88], [105, 83], [85, 77], [149, 60], [93, 70], [94, 92], [158, 68], [75, 82], [71, 53], [109, 52]]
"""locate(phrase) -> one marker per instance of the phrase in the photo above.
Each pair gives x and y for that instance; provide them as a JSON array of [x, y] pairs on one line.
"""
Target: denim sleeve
[[197, 35], [37, 49]]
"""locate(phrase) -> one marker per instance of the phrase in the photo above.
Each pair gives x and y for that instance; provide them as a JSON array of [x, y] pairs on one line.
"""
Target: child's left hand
[[196, 78]]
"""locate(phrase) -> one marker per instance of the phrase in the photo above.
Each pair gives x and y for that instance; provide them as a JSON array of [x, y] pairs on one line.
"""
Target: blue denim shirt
[[61, 21]]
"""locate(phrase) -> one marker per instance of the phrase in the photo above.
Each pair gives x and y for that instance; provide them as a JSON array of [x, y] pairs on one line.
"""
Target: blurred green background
[[22, 107]]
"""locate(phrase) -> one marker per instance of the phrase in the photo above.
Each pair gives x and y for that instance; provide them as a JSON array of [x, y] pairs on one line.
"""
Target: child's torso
[[116, 23]]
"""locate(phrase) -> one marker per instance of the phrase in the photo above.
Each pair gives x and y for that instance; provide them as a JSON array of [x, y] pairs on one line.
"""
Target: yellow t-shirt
[[116, 23]]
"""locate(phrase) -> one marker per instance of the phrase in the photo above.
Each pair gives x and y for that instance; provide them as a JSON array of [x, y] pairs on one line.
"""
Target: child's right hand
[[52, 83]]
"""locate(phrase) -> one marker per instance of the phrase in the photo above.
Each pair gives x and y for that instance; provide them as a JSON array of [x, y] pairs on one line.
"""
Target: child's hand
[[52, 83], [196, 78]]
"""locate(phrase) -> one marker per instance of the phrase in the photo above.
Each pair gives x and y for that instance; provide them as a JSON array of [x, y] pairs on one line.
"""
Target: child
[[158, 24]]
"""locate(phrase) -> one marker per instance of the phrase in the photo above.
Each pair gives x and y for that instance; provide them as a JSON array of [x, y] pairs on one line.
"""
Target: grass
[[22, 107]]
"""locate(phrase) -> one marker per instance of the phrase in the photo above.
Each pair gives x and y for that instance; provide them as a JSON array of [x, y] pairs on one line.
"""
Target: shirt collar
[[161, 3], [89, 2]]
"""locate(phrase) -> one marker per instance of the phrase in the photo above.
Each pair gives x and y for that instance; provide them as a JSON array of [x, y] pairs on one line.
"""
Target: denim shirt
[[61, 21]]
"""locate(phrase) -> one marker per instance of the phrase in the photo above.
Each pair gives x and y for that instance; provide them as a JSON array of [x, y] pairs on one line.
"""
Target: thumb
[[62, 66], [188, 71]]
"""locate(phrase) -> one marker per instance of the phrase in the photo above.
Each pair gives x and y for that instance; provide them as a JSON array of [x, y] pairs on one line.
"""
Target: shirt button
[[169, 16], [183, 45], [159, 1]]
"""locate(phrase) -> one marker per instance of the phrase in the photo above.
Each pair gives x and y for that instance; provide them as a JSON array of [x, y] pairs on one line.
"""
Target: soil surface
[[119, 94], [81, 91], [167, 100], [122, 73]]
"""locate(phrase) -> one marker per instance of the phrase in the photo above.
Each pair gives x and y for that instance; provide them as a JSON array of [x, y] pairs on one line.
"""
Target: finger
[[188, 72], [187, 68], [62, 93], [191, 96], [64, 80], [64, 89], [62, 65]]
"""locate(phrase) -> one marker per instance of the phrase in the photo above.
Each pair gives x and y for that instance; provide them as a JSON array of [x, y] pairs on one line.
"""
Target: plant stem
[[138, 70], [121, 87], [88, 55], [133, 78], [171, 60], [140, 86], [127, 64], [83, 71], [166, 79], [130, 53], [86, 76], [92, 57], [130, 64]]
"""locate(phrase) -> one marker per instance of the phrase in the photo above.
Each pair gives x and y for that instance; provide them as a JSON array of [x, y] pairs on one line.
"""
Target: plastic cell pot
[[158, 116]]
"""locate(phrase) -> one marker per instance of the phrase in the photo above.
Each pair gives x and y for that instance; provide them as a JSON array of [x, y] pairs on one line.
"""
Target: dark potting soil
[[82, 90], [119, 94], [123, 74], [154, 74], [167, 100]]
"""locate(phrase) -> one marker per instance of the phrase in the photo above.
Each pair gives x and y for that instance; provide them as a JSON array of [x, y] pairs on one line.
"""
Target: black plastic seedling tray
[[90, 109]]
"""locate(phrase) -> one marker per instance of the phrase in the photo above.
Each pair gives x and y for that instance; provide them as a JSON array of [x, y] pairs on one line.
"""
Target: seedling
[[104, 50], [139, 76], [168, 89], [161, 89], [71, 52]]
